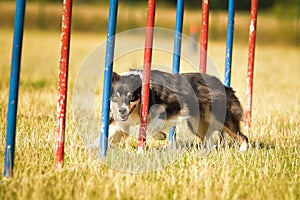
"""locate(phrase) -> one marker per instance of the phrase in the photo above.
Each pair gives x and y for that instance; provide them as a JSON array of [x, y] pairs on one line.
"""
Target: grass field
[[270, 169]]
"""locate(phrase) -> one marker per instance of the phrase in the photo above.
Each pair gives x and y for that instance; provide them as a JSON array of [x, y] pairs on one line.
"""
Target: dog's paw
[[160, 136], [244, 146]]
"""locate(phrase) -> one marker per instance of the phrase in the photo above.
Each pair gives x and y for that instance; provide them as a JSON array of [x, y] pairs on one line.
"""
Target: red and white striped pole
[[63, 83], [204, 35], [251, 55], [146, 74]]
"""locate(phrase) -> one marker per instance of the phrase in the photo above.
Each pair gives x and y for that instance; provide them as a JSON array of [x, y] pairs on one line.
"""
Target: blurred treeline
[[214, 4], [222, 4], [278, 20]]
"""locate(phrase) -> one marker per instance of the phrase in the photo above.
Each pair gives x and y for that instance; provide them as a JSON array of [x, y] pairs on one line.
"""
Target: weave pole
[[204, 35], [251, 54], [9, 154], [229, 42], [109, 57], [177, 50], [146, 74], [63, 83]]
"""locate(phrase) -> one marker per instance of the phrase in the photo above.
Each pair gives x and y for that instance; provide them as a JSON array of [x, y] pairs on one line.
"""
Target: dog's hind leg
[[200, 130], [212, 132]]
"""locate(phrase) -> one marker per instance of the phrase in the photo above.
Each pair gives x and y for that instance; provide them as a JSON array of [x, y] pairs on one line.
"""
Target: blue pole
[[177, 50], [110, 45], [14, 89], [229, 41], [178, 36]]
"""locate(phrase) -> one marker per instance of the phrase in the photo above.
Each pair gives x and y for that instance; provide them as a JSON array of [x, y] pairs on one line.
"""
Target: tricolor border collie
[[199, 100]]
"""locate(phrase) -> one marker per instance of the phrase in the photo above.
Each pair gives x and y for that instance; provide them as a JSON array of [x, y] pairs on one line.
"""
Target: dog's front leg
[[157, 121], [115, 133]]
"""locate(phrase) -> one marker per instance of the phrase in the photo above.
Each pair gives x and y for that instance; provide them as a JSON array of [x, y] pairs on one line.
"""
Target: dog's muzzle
[[124, 114]]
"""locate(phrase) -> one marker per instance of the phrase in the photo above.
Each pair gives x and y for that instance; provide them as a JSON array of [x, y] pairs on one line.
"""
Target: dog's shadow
[[261, 145], [253, 145]]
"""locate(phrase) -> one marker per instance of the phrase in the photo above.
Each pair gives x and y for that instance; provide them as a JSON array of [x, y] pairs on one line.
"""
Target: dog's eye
[[130, 97], [114, 97]]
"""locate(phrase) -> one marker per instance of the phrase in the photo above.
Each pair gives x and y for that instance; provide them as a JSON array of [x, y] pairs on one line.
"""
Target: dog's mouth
[[125, 116]]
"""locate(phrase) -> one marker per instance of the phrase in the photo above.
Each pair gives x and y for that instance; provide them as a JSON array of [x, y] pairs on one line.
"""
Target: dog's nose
[[122, 110]]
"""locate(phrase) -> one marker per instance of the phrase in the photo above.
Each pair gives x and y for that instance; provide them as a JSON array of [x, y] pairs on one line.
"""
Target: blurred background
[[278, 21]]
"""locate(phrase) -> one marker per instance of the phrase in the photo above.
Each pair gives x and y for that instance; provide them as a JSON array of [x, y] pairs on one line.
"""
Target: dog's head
[[125, 95]]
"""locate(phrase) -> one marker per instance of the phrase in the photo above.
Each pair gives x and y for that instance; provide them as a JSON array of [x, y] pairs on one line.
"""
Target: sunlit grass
[[269, 170]]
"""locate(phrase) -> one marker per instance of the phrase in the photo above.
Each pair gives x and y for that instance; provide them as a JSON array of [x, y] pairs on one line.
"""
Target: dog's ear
[[115, 78]]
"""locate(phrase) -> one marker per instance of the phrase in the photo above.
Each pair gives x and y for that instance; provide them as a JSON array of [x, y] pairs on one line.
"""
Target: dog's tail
[[234, 107], [234, 116]]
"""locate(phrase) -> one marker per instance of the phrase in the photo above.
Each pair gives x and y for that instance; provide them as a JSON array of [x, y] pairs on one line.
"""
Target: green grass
[[270, 169]]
